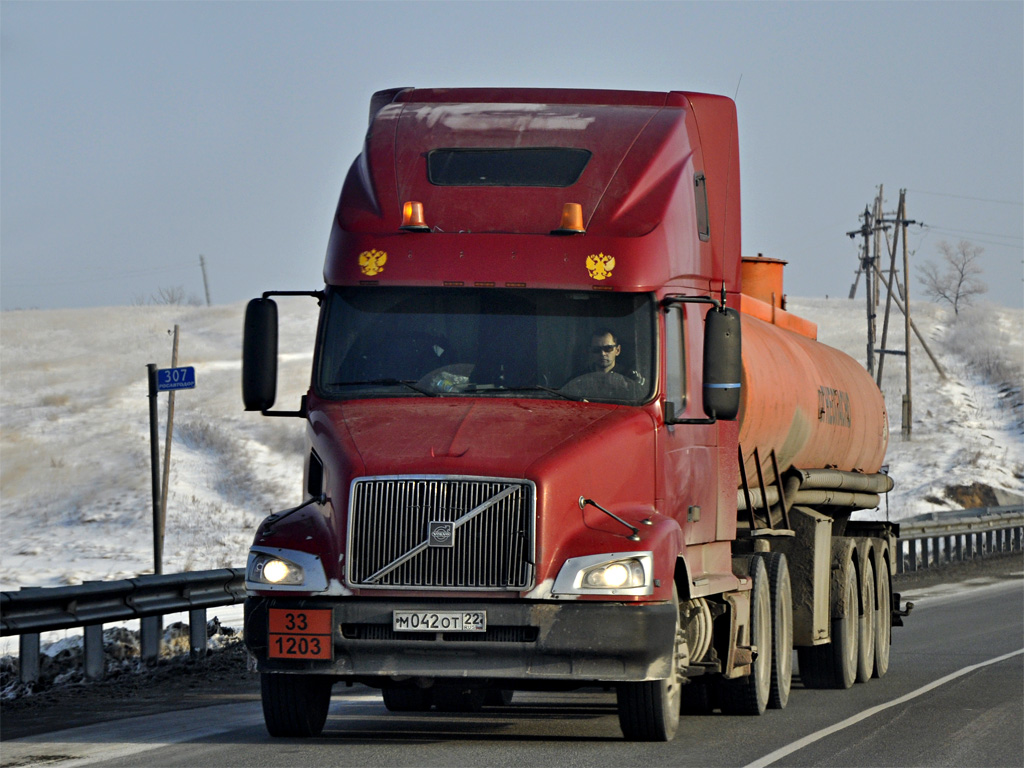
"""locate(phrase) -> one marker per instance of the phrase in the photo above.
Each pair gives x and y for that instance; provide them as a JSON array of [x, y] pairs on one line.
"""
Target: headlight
[[625, 573], [615, 573], [271, 568]]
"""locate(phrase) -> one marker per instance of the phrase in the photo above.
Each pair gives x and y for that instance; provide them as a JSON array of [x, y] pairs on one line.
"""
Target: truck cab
[[524, 451]]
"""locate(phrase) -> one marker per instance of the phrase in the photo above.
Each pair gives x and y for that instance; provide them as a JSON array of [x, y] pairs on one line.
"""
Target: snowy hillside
[[75, 484]]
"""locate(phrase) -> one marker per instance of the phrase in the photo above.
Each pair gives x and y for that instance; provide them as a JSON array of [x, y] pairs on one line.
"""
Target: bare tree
[[956, 279]]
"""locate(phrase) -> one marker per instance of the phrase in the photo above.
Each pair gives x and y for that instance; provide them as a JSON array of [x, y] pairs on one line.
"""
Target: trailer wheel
[[649, 710], [782, 628], [749, 695], [295, 705], [883, 620], [407, 699], [866, 625], [834, 665]]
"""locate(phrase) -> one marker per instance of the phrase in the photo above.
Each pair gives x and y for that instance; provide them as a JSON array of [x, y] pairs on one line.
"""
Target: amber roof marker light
[[572, 220], [412, 217]]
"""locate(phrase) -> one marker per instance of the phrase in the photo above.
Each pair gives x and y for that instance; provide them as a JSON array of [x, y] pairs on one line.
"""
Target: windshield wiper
[[387, 382], [540, 388]]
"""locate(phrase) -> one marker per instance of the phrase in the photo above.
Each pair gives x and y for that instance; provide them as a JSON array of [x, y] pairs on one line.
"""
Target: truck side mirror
[[723, 363], [259, 355]]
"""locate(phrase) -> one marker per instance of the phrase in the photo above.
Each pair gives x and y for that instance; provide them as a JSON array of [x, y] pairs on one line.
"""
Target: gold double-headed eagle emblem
[[600, 266], [372, 262]]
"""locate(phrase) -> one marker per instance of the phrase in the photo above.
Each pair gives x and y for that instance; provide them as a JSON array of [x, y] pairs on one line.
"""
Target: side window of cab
[[675, 362]]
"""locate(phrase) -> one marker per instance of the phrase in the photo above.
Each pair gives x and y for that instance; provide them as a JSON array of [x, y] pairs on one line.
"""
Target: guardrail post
[[149, 640], [28, 657], [197, 632], [94, 661]]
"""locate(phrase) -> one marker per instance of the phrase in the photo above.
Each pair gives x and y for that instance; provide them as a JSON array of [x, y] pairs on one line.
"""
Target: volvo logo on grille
[[441, 533]]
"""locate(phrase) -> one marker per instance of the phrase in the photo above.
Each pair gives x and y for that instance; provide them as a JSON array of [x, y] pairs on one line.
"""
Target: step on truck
[[560, 434]]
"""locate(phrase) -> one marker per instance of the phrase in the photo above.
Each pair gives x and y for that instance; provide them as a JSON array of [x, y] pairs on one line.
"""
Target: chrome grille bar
[[426, 542], [491, 523]]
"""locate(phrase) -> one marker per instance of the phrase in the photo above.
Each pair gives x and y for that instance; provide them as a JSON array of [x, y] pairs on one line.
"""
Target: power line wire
[[967, 197]]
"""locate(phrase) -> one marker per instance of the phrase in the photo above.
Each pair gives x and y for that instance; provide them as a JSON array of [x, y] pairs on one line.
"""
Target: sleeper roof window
[[519, 167]]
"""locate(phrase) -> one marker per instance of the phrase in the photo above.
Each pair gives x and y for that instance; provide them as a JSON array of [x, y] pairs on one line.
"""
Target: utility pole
[[877, 259], [908, 411], [206, 285], [865, 231]]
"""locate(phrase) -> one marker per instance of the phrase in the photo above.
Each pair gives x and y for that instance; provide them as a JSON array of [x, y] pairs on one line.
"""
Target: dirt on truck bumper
[[570, 641]]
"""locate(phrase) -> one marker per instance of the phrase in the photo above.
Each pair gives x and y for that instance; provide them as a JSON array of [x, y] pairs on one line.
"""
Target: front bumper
[[579, 641]]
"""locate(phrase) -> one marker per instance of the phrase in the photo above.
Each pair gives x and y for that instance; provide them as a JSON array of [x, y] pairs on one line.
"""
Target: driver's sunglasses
[[606, 348]]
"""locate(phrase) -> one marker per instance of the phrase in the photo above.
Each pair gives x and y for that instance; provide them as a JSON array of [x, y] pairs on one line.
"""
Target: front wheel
[[649, 710], [295, 705]]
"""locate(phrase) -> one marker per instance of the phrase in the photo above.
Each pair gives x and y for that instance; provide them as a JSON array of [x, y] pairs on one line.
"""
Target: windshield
[[486, 342]]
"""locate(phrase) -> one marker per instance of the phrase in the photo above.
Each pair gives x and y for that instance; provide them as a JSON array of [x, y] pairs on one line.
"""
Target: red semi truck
[[539, 457]]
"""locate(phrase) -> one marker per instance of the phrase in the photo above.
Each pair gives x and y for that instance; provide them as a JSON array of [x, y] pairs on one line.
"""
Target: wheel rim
[[866, 636], [763, 664], [850, 626], [883, 621]]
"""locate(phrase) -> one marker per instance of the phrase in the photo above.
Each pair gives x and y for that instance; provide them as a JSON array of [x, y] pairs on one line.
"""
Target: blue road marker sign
[[175, 378]]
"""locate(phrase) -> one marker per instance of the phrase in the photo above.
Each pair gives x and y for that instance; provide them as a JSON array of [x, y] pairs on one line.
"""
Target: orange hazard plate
[[300, 634]]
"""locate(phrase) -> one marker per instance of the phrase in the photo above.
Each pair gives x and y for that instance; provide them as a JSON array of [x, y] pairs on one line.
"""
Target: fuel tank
[[815, 406]]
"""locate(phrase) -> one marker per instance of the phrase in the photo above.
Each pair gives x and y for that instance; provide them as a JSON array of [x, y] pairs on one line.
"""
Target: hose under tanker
[[819, 488]]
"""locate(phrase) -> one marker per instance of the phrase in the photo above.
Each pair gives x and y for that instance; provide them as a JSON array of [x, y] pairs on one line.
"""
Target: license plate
[[439, 621], [300, 634]]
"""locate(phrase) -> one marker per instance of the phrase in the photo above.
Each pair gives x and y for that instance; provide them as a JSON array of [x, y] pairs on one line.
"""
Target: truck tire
[[866, 624], [782, 628], [834, 665], [295, 705], [749, 695], [883, 619], [407, 699], [649, 710]]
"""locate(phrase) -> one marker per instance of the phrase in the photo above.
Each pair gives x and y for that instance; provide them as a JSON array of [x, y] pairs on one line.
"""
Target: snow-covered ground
[[75, 483]]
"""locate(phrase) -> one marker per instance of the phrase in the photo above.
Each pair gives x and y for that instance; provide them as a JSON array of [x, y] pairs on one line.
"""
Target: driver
[[607, 379]]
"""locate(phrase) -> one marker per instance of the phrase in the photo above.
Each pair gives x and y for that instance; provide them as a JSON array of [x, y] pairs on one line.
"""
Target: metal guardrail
[[941, 538], [925, 541], [33, 610]]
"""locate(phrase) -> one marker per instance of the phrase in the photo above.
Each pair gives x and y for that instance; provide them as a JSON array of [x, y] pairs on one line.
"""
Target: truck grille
[[440, 533]]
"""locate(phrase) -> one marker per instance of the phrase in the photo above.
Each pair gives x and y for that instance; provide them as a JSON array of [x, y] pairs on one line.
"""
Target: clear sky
[[136, 136]]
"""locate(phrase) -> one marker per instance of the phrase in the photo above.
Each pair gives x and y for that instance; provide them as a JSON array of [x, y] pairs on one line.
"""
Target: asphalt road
[[954, 696]]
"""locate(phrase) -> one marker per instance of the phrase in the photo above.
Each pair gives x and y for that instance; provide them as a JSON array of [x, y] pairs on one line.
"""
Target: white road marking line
[[789, 749]]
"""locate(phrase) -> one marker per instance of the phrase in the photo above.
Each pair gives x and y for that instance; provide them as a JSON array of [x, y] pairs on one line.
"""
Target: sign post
[[162, 380]]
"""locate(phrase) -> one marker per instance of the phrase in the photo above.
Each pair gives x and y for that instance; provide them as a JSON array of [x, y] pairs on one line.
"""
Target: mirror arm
[[678, 299], [318, 295], [302, 413]]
